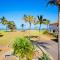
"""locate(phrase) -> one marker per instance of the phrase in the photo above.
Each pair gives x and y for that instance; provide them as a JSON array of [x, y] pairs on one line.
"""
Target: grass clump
[[23, 48], [45, 57], [45, 32]]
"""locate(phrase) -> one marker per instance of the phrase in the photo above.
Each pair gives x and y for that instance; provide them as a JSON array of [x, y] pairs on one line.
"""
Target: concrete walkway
[[50, 46], [53, 50]]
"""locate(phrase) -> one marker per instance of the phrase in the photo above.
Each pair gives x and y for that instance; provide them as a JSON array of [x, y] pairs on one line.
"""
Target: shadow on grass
[[38, 43], [42, 44], [1, 35], [56, 40], [31, 36]]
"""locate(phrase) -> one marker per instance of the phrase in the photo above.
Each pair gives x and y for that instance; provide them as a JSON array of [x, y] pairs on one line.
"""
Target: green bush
[[23, 48], [45, 32]]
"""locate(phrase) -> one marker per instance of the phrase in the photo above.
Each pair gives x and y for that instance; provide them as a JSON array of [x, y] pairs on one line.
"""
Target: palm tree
[[4, 21], [40, 18], [28, 19], [11, 25], [22, 25], [57, 2], [47, 22]]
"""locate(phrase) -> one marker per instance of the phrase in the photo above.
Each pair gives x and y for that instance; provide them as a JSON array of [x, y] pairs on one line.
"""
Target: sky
[[14, 10]]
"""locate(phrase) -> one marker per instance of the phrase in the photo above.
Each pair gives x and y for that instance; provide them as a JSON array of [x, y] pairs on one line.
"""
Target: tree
[[11, 25], [22, 25], [23, 48], [41, 20], [47, 22], [56, 2], [4, 21], [28, 19]]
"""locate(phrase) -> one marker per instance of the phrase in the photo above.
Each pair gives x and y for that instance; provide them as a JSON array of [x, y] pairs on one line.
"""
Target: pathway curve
[[53, 50], [50, 46]]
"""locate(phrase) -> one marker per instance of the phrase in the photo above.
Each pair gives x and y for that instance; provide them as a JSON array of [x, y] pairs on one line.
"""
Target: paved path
[[51, 47], [53, 50]]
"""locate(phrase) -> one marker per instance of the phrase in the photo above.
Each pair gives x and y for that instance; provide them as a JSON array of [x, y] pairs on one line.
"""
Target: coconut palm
[[54, 2], [28, 19], [47, 22], [41, 20], [22, 25], [57, 2], [4, 21], [11, 25]]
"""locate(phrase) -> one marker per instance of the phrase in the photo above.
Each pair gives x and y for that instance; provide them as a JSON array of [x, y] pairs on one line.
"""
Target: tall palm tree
[[28, 19], [47, 22], [40, 18], [57, 2], [4, 21]]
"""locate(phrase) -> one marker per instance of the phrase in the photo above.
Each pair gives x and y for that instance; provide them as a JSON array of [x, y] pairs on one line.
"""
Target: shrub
[[45, 32], [23, 48]]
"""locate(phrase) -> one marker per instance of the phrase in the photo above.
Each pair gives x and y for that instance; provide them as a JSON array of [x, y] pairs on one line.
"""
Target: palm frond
[[52, 2]]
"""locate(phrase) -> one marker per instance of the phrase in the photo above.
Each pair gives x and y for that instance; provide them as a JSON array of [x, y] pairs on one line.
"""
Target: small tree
[[23, 48], [11, 25], [22, 25], [47, 22]]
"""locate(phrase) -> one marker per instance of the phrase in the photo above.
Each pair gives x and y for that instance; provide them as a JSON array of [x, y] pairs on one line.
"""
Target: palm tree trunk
[[22, 28], [29, 29], [30, 25], [6, 28], [40, 28], [59, 33], [47, 26]]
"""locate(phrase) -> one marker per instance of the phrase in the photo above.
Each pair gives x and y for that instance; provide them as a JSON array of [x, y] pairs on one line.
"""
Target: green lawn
[[9, 37]]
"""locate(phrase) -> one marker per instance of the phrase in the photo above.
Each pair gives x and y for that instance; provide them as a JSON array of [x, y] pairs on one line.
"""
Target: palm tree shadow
[[56, 40], [38, 44], [1, 35]]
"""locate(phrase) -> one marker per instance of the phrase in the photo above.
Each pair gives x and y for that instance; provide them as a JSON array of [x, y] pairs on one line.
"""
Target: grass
[[9, 37]]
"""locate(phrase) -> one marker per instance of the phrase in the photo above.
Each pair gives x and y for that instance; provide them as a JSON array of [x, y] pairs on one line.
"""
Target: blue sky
[[14, 10]]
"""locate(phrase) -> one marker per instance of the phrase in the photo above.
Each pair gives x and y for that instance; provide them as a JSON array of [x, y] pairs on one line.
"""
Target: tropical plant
[[57, 3], [41, 21], [28, 19], [54, 2], [11, 25], [23, 48], [47, 22], [4, 21], [40, 18], [22, 25]]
